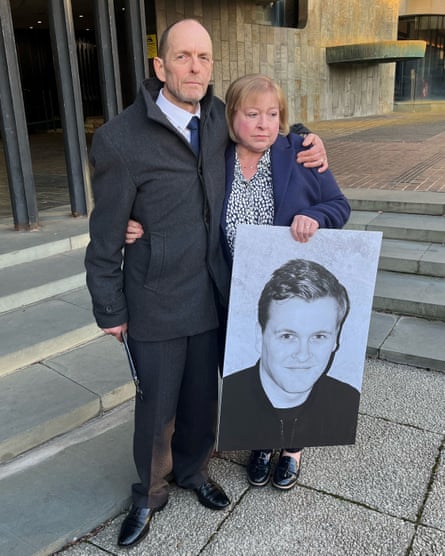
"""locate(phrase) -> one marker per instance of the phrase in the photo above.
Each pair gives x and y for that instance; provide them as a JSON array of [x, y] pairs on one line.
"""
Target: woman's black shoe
[[286, 472], [259, 467]]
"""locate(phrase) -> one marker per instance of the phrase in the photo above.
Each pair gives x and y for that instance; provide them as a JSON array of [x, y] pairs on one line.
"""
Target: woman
[[265, 186]]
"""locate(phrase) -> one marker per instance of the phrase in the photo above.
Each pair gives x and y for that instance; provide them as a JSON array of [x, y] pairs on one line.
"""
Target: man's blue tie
[[193, 126]]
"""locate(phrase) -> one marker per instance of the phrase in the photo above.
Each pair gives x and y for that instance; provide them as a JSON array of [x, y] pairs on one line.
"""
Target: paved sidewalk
[[384, 496], [399, 151]]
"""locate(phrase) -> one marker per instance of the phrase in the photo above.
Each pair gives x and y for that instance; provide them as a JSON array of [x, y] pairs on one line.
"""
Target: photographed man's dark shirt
[[248, 421]]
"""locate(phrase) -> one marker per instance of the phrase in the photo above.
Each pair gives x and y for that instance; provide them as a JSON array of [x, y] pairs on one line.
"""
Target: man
[[287, 399], [170, 290]]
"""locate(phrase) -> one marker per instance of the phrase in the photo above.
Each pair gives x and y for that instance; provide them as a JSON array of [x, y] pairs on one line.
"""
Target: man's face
[[187, 66], [298, 341]]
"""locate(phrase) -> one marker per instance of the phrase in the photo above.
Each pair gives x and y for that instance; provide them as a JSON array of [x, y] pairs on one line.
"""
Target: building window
[[282, 13], [422, 79]]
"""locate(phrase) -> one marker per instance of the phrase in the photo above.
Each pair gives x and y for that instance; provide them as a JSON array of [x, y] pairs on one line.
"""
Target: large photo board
[[297, 332]]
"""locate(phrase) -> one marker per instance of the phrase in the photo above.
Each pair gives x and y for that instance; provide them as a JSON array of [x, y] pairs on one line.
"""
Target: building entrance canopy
[[377, 52]]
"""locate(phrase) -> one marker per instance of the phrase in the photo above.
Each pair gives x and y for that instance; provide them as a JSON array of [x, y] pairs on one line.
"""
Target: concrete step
[[29, 282], [66, 488], [413, 257], [414, 202], [59, 394], [412, 295], [46, 328], [409, 227], [58, 233], [408, 340]]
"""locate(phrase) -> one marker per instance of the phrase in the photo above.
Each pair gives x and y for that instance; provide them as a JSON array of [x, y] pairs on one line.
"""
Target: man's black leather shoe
[[212, 496], [259, 467], [286, 473], [136, 525]]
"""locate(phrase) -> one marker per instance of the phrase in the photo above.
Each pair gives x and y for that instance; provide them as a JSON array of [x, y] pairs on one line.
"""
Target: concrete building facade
[[333, 60], [245, 42]]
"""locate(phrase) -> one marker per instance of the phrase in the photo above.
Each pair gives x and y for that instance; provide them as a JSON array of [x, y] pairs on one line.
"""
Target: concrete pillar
[[107, 49], [70, 100], [14, 129], [137, 42]]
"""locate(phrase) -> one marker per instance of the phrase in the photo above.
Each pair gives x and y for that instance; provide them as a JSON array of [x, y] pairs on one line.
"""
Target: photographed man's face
[[298, 341]]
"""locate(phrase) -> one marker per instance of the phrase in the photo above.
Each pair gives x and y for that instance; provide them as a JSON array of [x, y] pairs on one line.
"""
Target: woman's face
[[257, 122]]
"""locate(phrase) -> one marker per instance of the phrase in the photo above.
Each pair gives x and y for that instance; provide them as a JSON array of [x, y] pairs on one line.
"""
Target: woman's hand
[[303, 228], [316, 156], [134, 231]]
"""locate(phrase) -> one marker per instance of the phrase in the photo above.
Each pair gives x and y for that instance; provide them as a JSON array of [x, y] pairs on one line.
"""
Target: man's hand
[[303, 228], [117, 331], [315, 157], [134, 231]]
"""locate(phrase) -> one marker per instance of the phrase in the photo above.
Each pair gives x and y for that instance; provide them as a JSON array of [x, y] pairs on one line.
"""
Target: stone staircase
[[408, 322], [58, 372]]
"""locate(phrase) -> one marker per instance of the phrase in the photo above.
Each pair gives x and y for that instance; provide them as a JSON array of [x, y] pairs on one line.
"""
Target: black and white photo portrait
[[296, 338]]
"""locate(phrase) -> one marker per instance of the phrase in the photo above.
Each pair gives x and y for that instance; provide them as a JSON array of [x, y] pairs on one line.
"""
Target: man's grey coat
[[170, 282]]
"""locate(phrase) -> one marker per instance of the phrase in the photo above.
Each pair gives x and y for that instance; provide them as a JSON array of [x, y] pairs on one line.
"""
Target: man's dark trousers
[[178, 377]]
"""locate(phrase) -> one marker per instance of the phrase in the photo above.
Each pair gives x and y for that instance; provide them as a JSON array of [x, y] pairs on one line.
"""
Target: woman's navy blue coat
[[297, 190]]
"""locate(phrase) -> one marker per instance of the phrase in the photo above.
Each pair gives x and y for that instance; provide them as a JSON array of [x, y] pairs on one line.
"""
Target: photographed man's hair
[[303, 279], [252, 85]]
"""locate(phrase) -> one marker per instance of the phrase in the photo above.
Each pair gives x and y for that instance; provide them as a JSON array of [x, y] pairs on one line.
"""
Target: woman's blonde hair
[[254, 83]]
